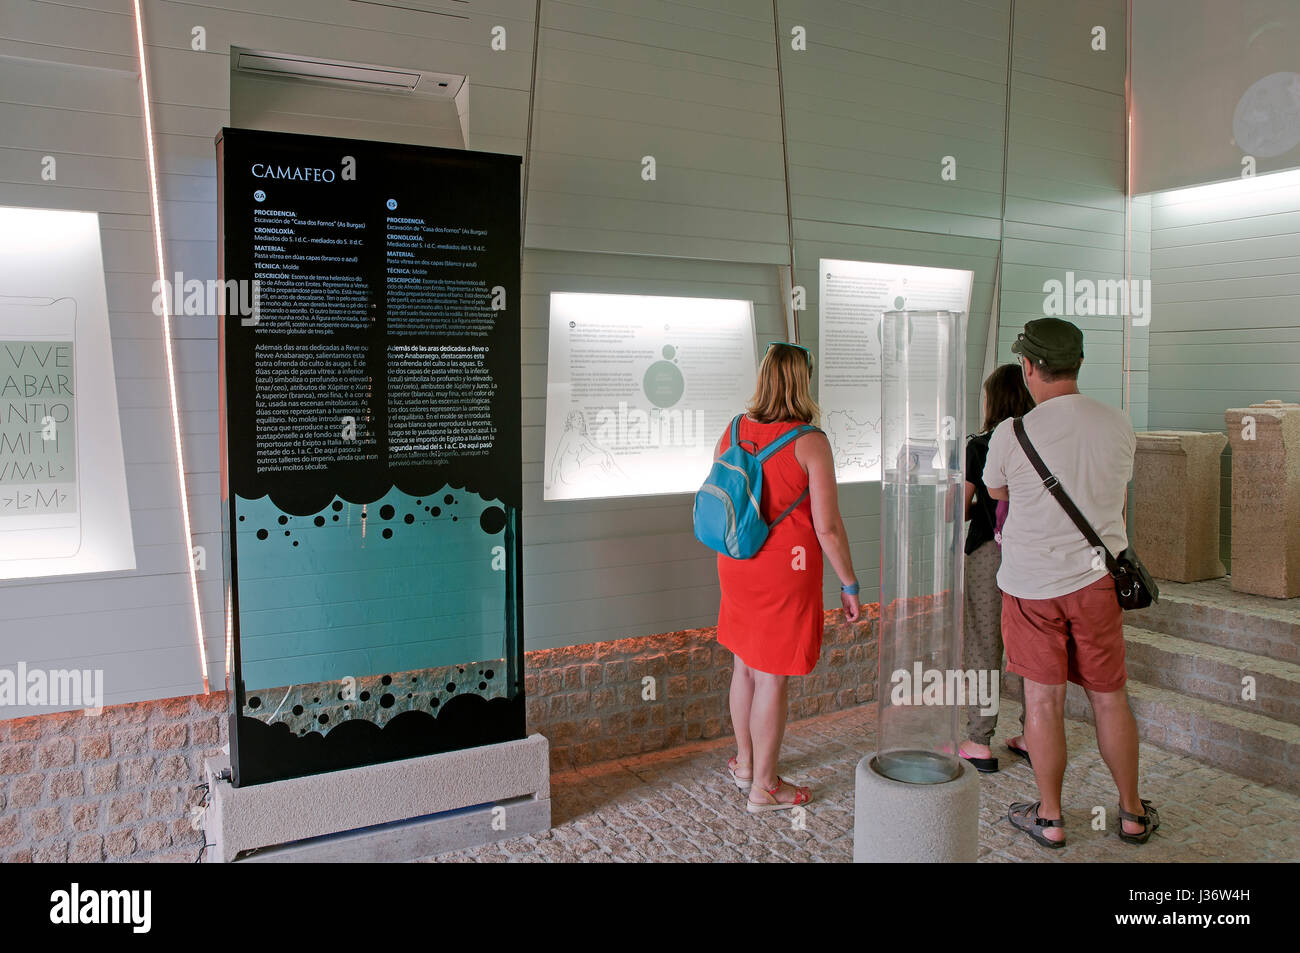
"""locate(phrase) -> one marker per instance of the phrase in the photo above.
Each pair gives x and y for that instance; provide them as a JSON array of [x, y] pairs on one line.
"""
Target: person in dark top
[[1005, 395]]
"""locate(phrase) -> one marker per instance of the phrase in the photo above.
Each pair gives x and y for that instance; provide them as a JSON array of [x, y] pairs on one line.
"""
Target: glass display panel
[[371, 438]]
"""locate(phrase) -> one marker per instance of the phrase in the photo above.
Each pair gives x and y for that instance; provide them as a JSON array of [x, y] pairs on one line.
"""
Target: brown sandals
[[1023, 816], [1149, 821]]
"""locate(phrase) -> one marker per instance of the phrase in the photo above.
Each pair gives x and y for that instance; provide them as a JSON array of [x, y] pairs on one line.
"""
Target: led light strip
[[167, 340], [1126, 345], [230, 631]]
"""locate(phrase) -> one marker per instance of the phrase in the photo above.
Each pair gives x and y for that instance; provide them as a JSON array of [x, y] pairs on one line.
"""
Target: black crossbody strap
[[1053, 486]]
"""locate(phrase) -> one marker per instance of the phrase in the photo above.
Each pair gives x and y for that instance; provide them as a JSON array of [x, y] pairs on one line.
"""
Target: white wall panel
[[885, 90], [1226, 332], [137, 626]]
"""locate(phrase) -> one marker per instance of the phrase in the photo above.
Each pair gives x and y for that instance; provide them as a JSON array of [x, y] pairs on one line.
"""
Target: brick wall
[[587, 699], [117, 786], [121, 785]]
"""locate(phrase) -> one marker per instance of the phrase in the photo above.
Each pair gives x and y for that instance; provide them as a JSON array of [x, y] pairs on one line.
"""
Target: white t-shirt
[[1089, 447]]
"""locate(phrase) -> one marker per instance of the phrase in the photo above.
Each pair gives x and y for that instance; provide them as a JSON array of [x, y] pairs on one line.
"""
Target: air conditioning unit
[[351, 74]]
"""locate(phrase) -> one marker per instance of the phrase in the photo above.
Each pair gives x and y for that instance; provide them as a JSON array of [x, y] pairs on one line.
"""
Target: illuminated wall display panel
[[63, 502], [371, 450], [638, 390], [854, 296]]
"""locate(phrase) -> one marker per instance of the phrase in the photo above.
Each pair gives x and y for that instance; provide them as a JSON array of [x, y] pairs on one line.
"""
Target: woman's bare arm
[[814, 453]]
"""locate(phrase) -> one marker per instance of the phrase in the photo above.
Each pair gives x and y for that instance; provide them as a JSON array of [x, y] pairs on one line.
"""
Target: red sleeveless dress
[[771, 612]]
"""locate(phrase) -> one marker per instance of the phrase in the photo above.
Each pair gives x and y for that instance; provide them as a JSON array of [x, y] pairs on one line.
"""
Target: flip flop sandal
[[1020, 753], [801, 796], [742, 783], [1149, 821], [1019, 816], [982, 765]]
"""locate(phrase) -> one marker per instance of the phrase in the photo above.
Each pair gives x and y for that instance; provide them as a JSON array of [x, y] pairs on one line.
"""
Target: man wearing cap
[[1061, 620]]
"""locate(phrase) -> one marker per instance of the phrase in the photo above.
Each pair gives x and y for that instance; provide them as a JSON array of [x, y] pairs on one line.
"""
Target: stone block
[[1176, 477], [103, 778], [85, 816], [120, 844], [47, 822], [67, 784], [87, 850], [1265, 440], [58, 753], [9, 832], [26, 790], [95, 747]]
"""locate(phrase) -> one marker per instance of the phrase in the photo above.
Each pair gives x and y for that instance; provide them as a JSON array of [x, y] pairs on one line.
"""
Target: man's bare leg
[[1045, 737], [1117, 738]]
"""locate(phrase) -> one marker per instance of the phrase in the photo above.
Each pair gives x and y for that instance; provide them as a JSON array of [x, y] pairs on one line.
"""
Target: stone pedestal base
[[894, 822], [398, 810]]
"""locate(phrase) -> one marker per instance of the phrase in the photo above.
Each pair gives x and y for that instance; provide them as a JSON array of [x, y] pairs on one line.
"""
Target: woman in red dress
[[771, 613]]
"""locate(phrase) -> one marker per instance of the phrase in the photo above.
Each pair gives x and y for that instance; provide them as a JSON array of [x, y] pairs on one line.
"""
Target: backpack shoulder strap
[[794, 433], [735, 431], [1053, 486], [790, 509]]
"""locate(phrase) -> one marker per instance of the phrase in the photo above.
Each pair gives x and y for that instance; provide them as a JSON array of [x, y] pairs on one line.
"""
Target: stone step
[[1214, 673], [1209, 612], [1250, 745]]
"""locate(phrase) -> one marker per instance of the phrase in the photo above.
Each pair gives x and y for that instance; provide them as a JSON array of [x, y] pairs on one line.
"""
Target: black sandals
[[1149, 821], [1020, 753], [982, 765], [1023, 816]]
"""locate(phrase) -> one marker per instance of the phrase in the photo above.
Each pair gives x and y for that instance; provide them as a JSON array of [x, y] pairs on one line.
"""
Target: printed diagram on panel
[[639, 388], [854, 297], [855, 442], [578, 459]]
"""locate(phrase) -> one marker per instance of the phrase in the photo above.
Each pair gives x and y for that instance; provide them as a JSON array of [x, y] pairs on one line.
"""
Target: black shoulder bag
[[1134, 586]]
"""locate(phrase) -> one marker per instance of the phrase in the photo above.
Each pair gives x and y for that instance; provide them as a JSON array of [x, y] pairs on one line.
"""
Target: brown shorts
[[1078, 637]]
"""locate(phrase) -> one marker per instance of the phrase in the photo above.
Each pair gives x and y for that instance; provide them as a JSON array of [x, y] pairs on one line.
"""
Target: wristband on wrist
[[851, 590]]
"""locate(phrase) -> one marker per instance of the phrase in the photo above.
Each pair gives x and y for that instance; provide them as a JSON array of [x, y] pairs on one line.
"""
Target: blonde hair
[[784, 389]]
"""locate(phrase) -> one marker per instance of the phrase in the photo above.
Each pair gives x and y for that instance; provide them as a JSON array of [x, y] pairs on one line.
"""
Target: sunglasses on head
[[807, 353]]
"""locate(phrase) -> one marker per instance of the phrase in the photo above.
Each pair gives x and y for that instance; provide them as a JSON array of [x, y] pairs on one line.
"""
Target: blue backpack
[[727, 514]]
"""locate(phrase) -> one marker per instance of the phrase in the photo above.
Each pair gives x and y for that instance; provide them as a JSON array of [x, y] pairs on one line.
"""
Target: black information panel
[[371, 461]]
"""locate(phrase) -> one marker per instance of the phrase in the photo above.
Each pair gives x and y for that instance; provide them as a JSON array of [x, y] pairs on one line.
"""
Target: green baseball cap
[[1050, 343]]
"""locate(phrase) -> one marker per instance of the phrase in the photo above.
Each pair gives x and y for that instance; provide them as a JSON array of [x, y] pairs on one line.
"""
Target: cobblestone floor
[[680, 805]]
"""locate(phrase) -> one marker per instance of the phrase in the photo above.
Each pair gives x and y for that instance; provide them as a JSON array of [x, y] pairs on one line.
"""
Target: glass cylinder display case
[[923, 417]]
